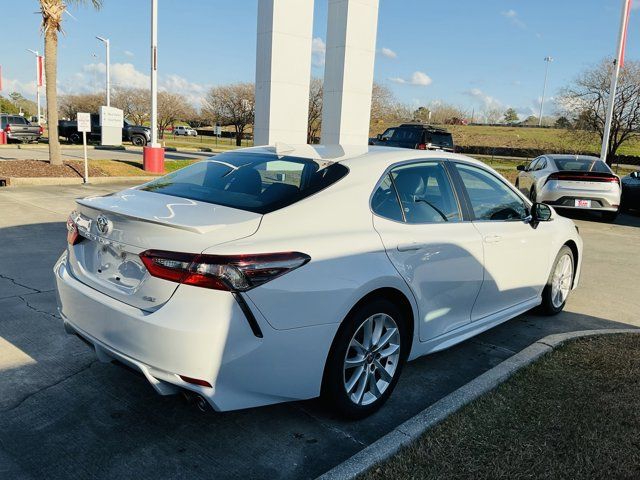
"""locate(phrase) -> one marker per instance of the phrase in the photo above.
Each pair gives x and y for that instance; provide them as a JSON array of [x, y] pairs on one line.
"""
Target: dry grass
[[572, 414]]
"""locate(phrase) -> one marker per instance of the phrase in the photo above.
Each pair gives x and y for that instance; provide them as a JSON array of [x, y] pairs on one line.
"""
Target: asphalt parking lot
[[65, 415]]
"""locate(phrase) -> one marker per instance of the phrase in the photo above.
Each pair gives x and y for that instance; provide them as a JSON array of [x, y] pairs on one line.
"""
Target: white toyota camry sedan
[[272, 274]]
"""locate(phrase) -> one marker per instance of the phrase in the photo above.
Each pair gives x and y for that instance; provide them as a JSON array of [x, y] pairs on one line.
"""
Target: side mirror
[[540, 212], [521, 168], [379, 136]]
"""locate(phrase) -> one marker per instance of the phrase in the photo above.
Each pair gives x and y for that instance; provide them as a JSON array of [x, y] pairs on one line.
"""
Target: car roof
[[370, 155], [561, 156]]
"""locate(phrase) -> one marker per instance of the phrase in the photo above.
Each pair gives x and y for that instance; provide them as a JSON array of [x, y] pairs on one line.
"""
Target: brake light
[[235, 273], [583, 177], [7, 128], [41, 130], [73, 236], [422, 146], [195, 381]]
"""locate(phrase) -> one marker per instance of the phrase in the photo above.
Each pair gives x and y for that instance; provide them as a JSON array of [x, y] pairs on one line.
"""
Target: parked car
[[576, 182], [185, 130], [19, 129], [136, 134], [261, 275], [415, 135], [631, 192]]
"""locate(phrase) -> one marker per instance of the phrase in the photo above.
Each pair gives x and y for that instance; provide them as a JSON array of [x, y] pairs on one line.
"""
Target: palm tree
[[52, 12]]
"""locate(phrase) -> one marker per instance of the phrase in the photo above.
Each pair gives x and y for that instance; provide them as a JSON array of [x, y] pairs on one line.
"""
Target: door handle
[[492, 238], [407, 247]]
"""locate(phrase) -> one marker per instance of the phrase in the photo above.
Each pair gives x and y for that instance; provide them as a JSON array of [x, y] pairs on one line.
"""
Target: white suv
[[185, 130]]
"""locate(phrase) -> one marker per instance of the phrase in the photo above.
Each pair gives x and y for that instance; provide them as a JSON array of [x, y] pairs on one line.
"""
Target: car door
[[437, 253], [526, 179], [516, 255]]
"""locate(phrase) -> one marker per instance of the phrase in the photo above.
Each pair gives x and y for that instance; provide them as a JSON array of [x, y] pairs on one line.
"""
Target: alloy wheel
[[372, 359], [561, 281]]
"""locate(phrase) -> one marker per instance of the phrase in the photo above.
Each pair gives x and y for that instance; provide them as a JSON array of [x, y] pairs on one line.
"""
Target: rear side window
[[581, 165], [424, 192], [258, 183]]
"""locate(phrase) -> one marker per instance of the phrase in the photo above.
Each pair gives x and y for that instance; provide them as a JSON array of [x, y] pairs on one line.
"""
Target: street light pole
[[106, 43], [38, 73], [547, 60], [154, 73], [617, 65]]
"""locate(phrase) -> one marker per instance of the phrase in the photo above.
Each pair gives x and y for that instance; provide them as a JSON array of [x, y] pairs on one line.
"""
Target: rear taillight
[[422, 146], [236, 273], [7, 128], [41, 130], [583, 177], [73, 236]]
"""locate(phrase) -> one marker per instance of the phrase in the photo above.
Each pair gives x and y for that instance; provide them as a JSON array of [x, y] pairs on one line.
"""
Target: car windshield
[[581, 165], [259, 183]]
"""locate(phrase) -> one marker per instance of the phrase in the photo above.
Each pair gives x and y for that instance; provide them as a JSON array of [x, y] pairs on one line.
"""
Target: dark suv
[[415, 135]]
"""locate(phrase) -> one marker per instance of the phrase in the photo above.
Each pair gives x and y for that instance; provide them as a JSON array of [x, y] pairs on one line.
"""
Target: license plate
[[583, 203]]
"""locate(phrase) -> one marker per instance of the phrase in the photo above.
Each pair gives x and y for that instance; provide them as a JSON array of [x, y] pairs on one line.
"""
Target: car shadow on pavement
[[627, 219], [64, 414]]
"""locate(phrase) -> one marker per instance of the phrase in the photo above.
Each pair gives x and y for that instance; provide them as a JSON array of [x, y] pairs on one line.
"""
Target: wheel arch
[[574, 250], [394, 295]]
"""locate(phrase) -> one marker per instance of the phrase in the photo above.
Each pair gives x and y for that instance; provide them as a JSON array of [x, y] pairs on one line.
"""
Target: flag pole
[[617, 65]]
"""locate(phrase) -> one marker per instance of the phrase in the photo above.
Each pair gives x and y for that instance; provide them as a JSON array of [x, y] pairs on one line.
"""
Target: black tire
[[138, 140], [610, 216], [547, 306], [333, 385], [75, 138]]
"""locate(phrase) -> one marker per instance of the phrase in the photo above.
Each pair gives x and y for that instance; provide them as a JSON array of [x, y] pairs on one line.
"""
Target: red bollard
[[153, 159], [3, 138]]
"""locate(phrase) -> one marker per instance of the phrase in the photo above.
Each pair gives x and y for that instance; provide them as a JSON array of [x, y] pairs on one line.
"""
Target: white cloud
[[387, 52], [420, 79], [10, 85], [514, 18], [487, 101], [128, 53], [122, 74], [318, 51]]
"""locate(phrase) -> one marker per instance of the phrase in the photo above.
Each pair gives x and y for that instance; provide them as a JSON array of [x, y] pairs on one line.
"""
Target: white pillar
[[283, 71], [154, 73], [348, 78]]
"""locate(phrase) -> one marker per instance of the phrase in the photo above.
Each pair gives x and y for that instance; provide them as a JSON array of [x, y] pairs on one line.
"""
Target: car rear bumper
[[201, 334], [23, 137], [561, 197]]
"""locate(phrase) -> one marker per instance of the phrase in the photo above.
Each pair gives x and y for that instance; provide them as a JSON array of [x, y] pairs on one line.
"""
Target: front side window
[[388, 133], [259, 183], [424, 191], [490, 198], [411, 135]]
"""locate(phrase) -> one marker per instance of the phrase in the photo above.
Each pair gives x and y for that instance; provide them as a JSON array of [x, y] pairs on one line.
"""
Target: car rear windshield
[[259, 183], [442, 139], [581, 165]]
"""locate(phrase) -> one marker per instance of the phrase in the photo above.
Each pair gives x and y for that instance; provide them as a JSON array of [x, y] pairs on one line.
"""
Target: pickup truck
[[19, 128], [136, 134]]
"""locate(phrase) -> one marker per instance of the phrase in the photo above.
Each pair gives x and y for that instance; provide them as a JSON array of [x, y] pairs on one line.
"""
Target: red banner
[[40, 70]]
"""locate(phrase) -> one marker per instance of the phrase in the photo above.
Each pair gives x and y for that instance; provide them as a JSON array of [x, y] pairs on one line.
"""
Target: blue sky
[[474, 54]]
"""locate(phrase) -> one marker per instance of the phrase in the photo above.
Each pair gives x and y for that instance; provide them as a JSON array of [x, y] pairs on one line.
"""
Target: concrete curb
[[413, 428], [29, 181]]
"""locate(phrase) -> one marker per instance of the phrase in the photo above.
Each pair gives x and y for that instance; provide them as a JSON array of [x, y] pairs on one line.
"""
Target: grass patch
[[572, 414], [131, 168]]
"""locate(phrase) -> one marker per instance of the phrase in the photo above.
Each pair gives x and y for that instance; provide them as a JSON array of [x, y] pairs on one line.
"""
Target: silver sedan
[[576, 182]]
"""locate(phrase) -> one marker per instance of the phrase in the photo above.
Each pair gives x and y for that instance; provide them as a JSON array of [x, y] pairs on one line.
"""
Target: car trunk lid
[[116, 229], [588, 181]]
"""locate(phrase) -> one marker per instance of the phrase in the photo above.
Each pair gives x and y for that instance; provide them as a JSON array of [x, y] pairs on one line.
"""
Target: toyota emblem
[[103, 224]]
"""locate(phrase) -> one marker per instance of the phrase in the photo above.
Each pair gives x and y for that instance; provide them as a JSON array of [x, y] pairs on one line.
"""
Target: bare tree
[[586, 101], [445, 113], [315, 110], [70, 105], [232, 105], [492, 115], [52, 12], [171, 108], [134, 103]]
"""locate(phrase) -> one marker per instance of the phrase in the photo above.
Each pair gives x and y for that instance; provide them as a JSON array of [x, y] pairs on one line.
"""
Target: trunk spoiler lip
[[86, 202]]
